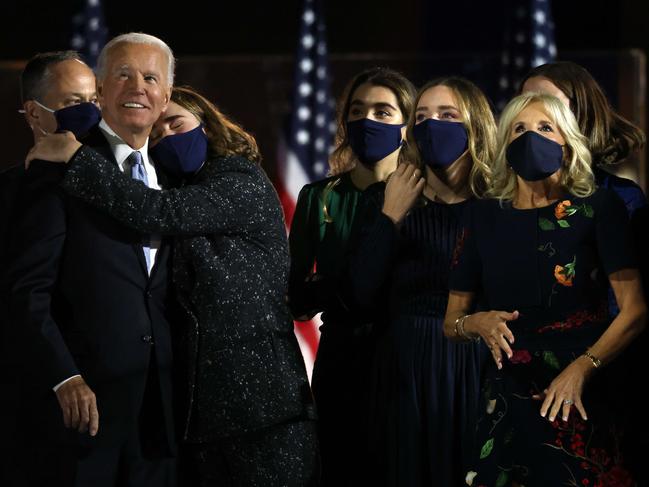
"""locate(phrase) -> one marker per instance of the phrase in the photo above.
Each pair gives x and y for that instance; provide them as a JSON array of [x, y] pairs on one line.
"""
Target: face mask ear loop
[[43, 106]]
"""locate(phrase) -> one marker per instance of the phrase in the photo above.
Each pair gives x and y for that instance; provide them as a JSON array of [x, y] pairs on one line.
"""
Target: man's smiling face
[[135, 89]]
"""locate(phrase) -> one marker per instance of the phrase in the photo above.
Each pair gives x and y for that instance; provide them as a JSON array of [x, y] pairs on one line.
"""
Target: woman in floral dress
[[542, 252]]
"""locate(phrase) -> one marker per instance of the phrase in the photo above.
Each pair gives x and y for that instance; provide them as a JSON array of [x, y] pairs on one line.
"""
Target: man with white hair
[[89, 301]]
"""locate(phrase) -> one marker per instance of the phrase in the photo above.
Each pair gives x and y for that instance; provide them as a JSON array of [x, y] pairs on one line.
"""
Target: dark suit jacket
[[83, 303], [244, 367], [11, 181]]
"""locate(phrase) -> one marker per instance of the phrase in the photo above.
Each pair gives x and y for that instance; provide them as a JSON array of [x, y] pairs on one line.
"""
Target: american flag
[[529, 42], [307, 141], [89, 31]]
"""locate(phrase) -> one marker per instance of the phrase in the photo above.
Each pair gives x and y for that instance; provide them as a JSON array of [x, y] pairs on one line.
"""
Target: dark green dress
[[320, 233]]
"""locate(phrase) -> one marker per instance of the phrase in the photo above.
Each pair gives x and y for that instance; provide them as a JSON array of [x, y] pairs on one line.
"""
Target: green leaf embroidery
[[502, 479], [569, 269], [571, 210], [563, 223], [546, 224], [551, 359], [588, 211], [486, 448]]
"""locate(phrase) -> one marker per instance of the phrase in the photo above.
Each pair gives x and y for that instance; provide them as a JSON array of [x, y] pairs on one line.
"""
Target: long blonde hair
[[478, 119], [576, 174]]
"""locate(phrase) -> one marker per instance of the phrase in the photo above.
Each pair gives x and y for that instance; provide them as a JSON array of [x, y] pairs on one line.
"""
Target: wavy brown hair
[[611, 137], [226, 138], [342, 159], [479, 123]]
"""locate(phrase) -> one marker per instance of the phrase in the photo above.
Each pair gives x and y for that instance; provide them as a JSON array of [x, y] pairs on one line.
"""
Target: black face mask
[[534, 157]]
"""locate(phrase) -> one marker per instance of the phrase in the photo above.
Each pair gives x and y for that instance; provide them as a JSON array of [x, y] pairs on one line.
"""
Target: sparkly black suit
[[246, 378]]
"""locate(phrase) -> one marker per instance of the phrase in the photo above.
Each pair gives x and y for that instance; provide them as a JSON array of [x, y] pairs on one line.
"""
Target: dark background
[[239, 53], [355, 26]]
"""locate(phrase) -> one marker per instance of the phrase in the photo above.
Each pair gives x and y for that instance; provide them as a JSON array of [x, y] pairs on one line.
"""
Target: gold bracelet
[[457, 325], [597, 363], [459, 330]]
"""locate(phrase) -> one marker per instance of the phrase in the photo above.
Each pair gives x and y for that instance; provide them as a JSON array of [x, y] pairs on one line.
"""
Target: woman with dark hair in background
[[248, 419], [611, 137], [542, 251], [375, 107], [424, 387]]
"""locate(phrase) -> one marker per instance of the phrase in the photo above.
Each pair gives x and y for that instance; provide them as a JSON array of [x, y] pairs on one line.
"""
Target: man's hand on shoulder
[[79, 406]]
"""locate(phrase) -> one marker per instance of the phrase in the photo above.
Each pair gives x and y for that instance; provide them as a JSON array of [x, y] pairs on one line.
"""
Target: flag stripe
[[303, 152]]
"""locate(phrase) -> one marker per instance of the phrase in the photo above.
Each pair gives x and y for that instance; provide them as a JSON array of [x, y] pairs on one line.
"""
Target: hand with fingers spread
[[492, 328], [79, 406], [402, 190], [565, 391], [58, 147]]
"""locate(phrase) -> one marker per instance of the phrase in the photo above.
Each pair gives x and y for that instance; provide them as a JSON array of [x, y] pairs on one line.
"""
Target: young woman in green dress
[[375, 108]]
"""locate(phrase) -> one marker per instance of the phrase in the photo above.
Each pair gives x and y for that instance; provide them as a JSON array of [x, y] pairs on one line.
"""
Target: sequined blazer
[[244, 369]]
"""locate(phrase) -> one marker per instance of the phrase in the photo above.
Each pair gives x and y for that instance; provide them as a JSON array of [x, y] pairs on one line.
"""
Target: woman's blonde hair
[[478, 119], [576, 174]]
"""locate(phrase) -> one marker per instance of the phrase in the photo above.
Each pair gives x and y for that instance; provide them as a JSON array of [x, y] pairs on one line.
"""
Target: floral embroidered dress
[[551, 264]]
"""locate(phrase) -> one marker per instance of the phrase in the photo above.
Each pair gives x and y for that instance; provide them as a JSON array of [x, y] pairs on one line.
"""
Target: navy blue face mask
[[372, 141], [182, 154], [534, 157], [440, 143], [78, 119]]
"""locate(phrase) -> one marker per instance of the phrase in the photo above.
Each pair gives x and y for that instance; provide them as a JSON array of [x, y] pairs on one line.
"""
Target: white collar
[[121, 150]]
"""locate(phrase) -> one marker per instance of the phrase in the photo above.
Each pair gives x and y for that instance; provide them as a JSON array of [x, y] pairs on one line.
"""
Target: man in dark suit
[[89, 301], [52, 79]]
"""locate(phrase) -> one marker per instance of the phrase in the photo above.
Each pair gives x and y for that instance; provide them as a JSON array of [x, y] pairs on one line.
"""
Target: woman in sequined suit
[[377, 99], [249, 416]]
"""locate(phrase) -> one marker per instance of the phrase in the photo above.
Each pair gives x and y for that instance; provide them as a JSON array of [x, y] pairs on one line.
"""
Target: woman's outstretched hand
[[565, 391], [59, 147], [492, 328]]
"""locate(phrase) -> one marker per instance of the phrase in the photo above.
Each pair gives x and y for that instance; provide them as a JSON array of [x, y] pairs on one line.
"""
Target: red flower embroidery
[[577, 319], [459, 247], [520, 357], [615, 477]]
